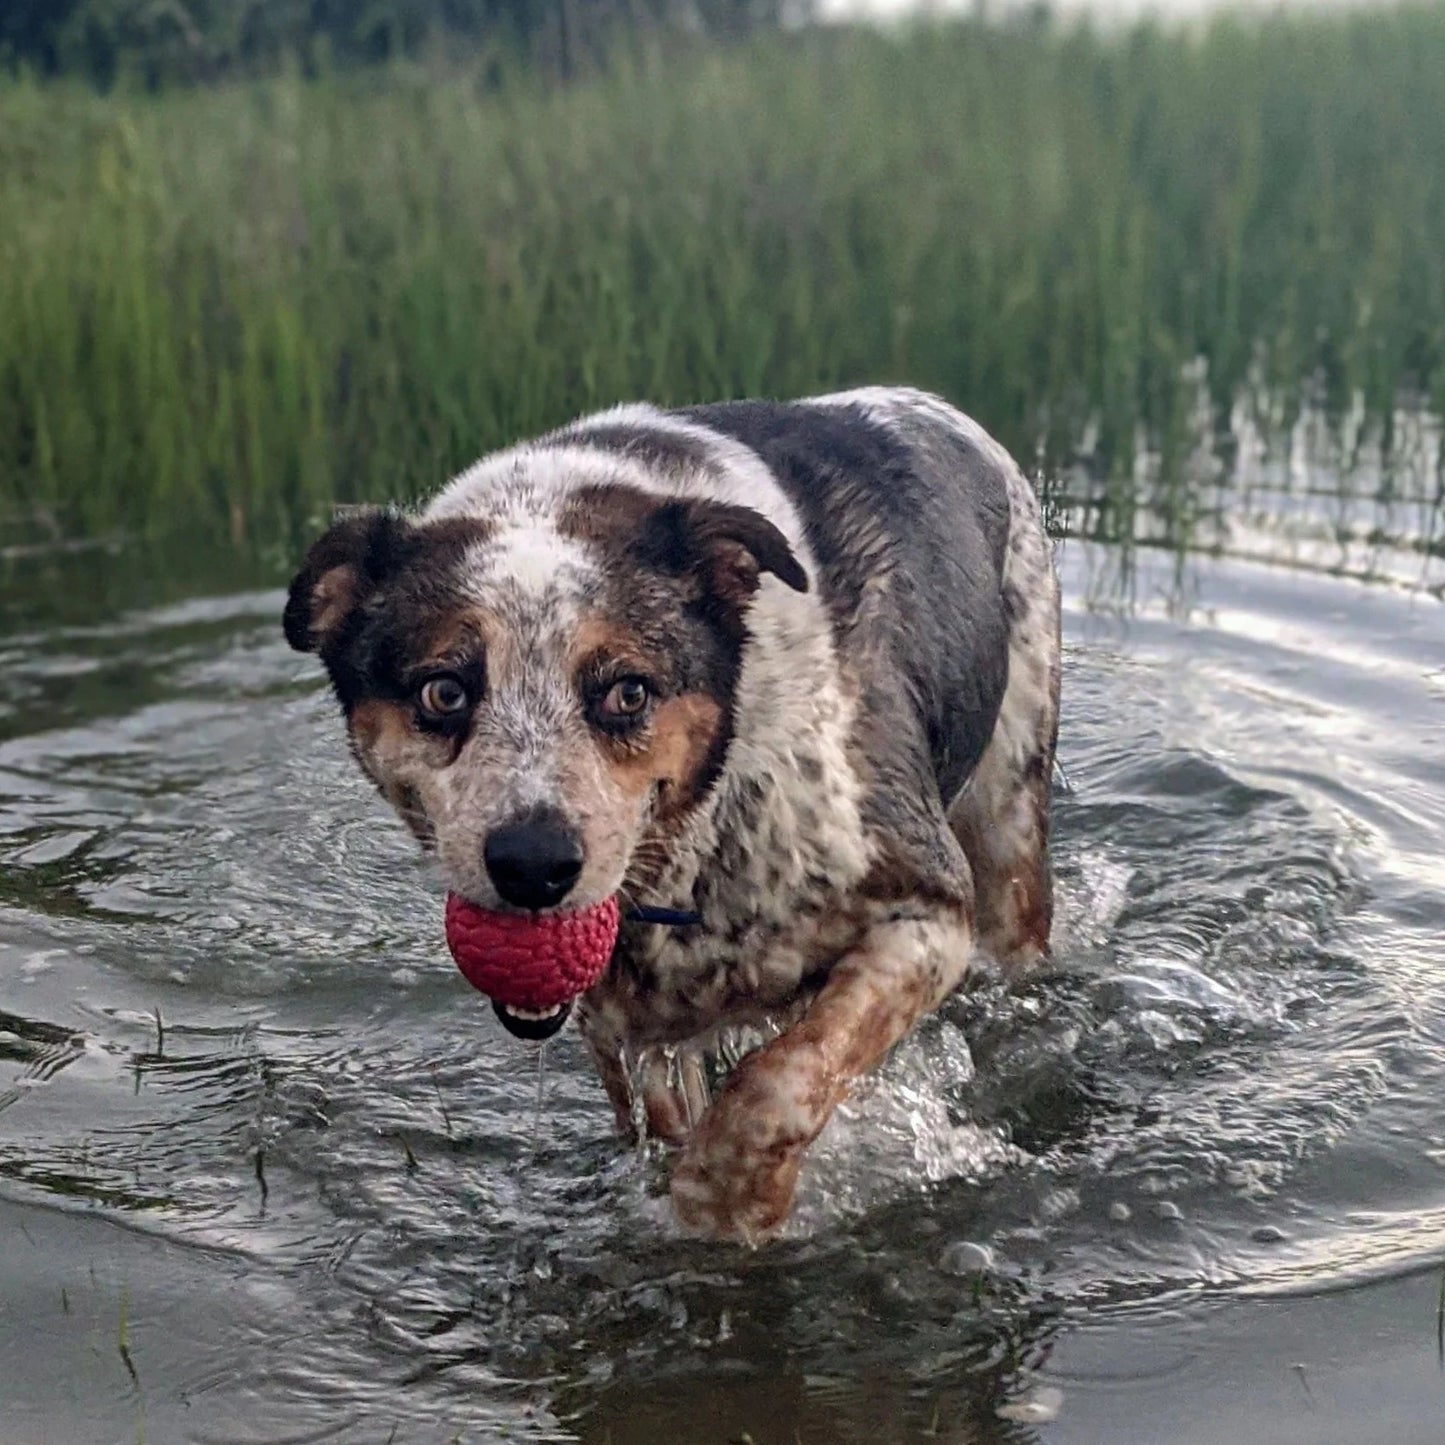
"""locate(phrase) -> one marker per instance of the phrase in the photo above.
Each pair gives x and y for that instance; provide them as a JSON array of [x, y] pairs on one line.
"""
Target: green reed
[[227, 309]]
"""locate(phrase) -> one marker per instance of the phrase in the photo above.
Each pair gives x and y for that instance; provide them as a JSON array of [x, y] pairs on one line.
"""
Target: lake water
[[270, 1171]]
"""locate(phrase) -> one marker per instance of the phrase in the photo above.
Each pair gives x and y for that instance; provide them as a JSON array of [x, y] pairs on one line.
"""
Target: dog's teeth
[[534, 1015]]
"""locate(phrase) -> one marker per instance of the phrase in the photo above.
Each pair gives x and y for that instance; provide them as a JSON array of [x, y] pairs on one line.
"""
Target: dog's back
[[906, 509]]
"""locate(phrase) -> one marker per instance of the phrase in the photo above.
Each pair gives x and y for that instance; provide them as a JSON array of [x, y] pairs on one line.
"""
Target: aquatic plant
[[227, 309]]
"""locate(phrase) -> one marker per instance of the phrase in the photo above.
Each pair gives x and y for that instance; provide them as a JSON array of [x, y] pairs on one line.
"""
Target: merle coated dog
[[788, 669]]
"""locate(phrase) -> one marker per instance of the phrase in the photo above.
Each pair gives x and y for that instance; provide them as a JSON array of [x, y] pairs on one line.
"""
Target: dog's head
[[545, 695]]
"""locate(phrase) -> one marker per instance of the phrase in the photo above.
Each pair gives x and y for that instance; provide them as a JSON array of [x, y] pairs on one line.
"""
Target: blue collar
[[667, 917]]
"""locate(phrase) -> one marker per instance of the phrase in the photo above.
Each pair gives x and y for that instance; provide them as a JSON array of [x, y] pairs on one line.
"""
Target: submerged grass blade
[[1440, 1323], [122, 1339]]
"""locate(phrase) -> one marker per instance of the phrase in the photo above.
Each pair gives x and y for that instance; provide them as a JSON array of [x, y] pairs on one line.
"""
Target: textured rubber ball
[[530, 961]]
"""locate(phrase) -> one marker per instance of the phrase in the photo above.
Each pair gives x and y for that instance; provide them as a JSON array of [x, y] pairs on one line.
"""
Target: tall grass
[[227, 309]]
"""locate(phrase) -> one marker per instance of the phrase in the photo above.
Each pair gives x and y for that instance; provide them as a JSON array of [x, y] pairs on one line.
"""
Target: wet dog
[[788, 670]]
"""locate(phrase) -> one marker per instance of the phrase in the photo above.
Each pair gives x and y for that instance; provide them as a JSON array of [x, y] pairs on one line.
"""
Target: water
[[269, 1171]]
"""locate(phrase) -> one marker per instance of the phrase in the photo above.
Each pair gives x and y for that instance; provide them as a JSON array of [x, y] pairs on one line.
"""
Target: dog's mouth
[[533, 1024], [531, 966]]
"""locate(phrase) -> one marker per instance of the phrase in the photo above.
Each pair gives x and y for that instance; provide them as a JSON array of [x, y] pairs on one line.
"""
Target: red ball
[[526, 961]]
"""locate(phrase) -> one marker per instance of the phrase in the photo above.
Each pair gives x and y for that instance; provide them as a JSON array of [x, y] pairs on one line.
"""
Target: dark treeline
[[156, 42]]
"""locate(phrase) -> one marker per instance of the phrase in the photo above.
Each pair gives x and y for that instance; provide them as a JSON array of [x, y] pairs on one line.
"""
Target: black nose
[[533, 864]]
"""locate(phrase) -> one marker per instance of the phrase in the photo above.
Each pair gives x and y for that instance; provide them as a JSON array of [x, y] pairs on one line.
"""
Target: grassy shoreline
[[226, 309]]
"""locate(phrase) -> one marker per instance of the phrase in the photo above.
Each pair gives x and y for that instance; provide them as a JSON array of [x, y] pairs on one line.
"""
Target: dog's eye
[[626, 699], [442, 697]]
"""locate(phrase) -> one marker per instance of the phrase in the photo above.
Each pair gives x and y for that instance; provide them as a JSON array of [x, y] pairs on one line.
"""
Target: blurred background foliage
[[387, 235], [154, 42]]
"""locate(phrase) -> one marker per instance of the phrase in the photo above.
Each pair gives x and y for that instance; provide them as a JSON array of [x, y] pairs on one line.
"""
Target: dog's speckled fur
[[848, 616]]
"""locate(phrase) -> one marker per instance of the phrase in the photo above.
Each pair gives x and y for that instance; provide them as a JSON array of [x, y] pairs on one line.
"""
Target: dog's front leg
[[737, 1175], [667, 1111]]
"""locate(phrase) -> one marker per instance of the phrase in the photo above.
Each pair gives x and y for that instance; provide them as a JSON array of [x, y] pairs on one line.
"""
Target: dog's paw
[[730, 1193], [738, 1173]]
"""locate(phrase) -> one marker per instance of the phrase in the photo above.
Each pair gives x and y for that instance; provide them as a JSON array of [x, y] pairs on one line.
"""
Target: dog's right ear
[[342, 568]]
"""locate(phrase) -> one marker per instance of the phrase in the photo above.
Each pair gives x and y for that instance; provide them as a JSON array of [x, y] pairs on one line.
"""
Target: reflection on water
[[1347, 494], [320, 1191]]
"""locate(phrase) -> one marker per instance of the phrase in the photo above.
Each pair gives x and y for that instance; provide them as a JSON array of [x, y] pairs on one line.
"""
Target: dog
[[786, 674]]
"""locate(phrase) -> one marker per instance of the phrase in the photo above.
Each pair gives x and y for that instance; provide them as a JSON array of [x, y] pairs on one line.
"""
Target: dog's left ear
[[343, 566], [730, 547]]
